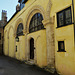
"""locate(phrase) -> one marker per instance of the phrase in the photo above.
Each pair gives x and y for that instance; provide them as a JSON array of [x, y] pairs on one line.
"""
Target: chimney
[[17, 8]]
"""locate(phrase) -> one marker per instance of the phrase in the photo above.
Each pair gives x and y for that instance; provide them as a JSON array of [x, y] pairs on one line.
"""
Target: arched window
[[19, 29], [36, 23]]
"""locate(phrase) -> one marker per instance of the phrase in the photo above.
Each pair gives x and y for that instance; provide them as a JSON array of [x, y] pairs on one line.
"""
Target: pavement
[[10, 66]]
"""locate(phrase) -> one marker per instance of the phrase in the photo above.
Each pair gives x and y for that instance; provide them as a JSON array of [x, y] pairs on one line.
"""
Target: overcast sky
[[9, 6]]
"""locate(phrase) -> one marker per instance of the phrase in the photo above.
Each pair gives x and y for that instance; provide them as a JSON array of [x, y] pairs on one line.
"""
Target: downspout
[[73, 20]]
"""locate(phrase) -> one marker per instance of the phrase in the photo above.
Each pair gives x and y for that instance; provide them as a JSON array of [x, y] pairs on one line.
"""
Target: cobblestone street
[[10, 66]]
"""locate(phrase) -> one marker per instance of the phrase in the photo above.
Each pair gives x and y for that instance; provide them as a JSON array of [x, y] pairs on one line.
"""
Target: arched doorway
[[31, 48]]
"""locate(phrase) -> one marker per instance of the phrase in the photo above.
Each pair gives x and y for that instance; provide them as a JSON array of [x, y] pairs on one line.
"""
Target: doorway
[[31, 48]]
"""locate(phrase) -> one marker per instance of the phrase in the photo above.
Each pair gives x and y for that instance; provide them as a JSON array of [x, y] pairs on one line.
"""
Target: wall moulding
[[49, 21], [48, 9]]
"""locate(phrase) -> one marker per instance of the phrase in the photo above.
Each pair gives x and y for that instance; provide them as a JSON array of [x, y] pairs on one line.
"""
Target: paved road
[[9, 66]]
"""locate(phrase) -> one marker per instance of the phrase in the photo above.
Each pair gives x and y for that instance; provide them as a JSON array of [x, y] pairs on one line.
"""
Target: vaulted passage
[[31, 48]]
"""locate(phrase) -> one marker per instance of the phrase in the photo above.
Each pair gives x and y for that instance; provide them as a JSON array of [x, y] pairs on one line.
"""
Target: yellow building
[[42, 32]]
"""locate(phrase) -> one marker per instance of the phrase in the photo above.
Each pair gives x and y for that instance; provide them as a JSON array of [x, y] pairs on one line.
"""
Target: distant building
[[3, 22]]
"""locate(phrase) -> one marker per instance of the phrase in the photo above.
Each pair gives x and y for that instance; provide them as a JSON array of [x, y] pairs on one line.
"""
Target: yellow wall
[[64, 61], [11, 43], [22, 47], [20, 17], [6, 43], [40, 46]]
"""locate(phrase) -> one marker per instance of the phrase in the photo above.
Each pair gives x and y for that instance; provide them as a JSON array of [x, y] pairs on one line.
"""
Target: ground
[[10, 66]]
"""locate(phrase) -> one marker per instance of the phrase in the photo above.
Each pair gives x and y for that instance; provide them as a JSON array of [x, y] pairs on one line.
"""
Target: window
[[36, 23], [22, 4], [19, 29], [64, 17], [61, 46], [0, 36], [16, 48]]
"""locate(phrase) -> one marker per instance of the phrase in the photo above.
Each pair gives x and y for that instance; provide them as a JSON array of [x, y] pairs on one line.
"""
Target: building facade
[[42, 32], [3, 22]]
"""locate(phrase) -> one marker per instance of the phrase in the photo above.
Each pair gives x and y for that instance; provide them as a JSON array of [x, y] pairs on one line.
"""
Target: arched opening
[[31, 48], [36, 23], [19, 31]]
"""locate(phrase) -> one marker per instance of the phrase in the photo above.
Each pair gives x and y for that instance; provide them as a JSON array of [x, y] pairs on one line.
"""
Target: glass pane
[[32, 24], [20, 29], [23, 1], [42, 26], [22, 4], [62, 46], [38, 14], [39, 27], [39, 21], [35, 16], [35, 22], [35, 28], [32, 29], [60, 19], [68, 16]]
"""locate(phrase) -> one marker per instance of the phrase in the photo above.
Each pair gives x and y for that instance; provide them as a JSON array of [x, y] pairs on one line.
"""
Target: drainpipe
[[73, 20]]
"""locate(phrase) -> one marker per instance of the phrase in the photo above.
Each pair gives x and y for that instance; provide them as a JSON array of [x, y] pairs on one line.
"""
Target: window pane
[[32, 24], [39, 21], [20, 29], [64, 17], [61, 19], [39, 27], [36, 23], [38, 14], [68, 16], [62, 46], [22, 5], [32, 29], [35, 16], [42, 26], [35, 28]]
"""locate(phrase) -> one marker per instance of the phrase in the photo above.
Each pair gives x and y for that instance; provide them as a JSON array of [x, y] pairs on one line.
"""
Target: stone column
[[49, 25], [25, 34]]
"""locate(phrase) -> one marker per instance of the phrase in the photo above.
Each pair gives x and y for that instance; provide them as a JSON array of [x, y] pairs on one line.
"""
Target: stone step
[[31, 62]]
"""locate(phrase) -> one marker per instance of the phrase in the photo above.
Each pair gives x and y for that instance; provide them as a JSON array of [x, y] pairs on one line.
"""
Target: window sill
[[37, 30], [64, 25], [61, 51]]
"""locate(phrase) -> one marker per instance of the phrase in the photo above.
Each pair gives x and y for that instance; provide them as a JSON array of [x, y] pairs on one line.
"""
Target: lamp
[[17, 38]]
